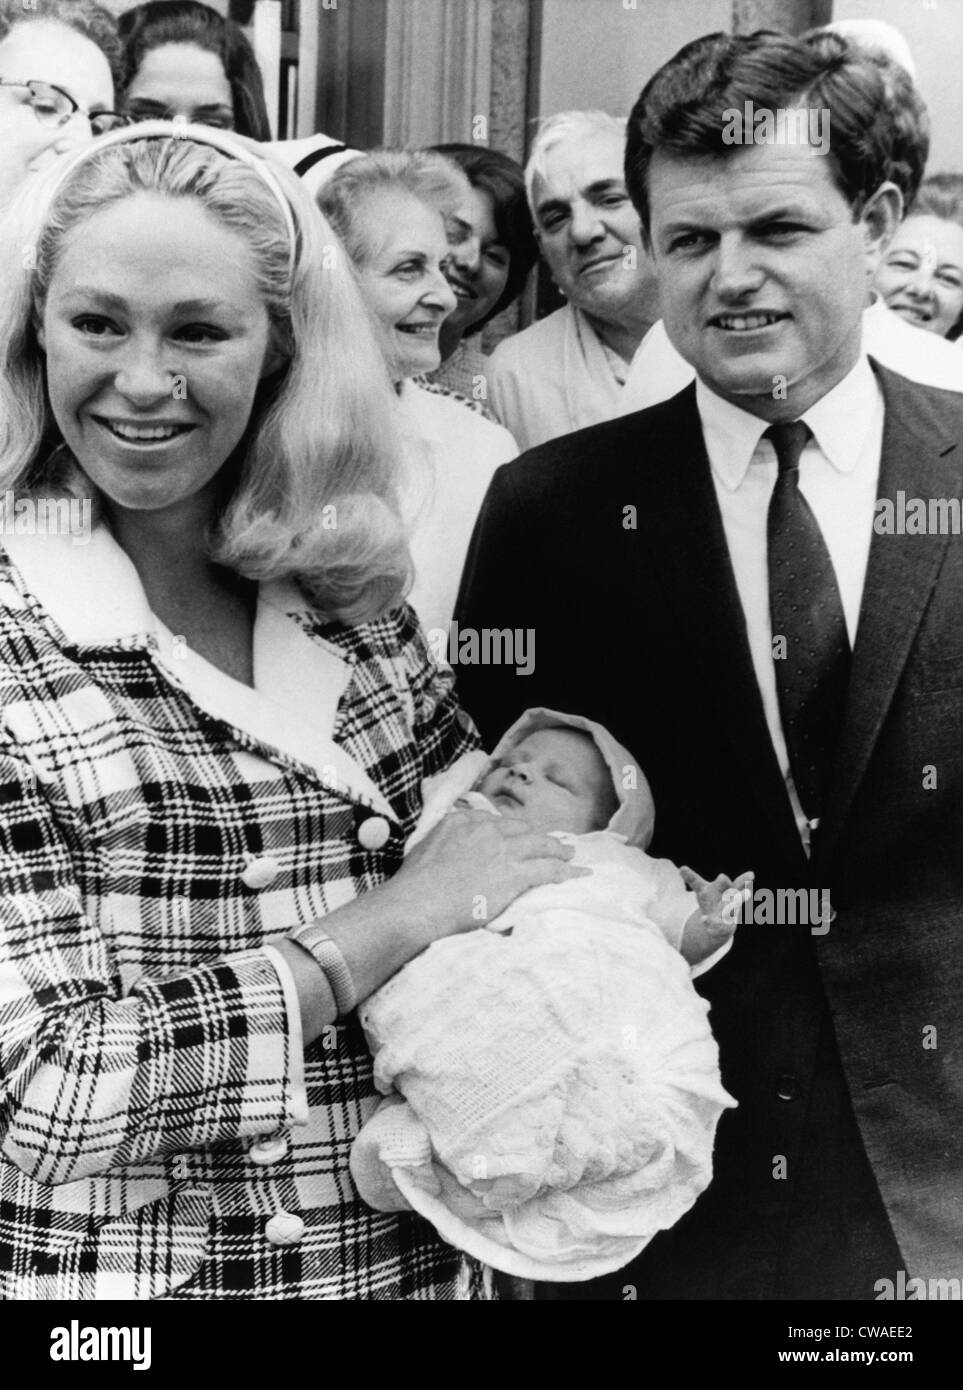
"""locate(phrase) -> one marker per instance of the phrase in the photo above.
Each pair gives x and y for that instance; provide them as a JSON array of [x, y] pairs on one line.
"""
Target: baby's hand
[[721, 900], [720, 912]]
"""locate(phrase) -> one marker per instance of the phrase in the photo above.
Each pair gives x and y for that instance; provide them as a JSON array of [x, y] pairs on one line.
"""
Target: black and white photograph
[[481, 672]]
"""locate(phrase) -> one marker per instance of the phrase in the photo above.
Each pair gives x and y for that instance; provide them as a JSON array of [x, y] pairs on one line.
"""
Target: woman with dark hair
[[489, 268], [183, 60], [921, 277]]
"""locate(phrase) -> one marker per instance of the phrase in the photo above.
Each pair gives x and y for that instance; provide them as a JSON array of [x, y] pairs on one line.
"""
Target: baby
[[553, 1085]]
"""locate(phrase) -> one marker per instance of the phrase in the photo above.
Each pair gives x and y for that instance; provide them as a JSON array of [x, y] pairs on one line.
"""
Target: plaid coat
[[163, 1132]]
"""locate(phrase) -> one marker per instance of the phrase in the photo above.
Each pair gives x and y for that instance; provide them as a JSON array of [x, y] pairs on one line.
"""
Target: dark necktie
[[812, 665]]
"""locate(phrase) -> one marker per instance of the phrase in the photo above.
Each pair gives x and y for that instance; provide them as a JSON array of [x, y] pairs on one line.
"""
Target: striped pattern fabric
[[147, 1054]]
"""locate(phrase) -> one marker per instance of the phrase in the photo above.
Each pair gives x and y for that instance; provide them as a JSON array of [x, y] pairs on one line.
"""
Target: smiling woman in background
[[921, 277], [183, 60], [395, 213], [58, 61], [488, 266]]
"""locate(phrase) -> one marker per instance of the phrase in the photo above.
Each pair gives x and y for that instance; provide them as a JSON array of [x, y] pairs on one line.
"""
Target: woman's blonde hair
[[316, 497], [429, 177]]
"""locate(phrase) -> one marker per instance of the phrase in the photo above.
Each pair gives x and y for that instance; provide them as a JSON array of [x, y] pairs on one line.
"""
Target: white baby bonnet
[[635, 818]]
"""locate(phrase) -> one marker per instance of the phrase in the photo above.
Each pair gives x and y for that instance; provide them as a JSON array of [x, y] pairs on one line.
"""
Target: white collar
[[94, 595], [840, 422]]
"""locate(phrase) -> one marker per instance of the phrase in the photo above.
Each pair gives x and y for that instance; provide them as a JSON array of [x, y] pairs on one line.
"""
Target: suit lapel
[[684, 541], [920, 459]]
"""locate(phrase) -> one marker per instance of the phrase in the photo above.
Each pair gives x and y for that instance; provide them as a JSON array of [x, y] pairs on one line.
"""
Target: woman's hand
[[472, 866], [462, 875]]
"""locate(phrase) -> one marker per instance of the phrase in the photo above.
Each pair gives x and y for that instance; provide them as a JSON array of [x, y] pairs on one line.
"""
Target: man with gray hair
[[567, 370]]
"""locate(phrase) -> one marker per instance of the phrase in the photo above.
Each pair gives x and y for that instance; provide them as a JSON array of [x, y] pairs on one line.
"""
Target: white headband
[[225, 142]]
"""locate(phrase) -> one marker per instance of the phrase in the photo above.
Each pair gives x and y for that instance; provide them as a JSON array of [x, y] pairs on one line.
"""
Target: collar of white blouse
[[93, 593]]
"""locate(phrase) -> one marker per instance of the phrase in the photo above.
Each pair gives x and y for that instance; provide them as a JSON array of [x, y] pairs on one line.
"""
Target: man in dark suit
[[742, 607]]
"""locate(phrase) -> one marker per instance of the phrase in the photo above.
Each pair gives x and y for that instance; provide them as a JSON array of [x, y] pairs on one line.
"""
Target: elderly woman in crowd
[[217, 717], [921, 277], [58, 61], [488, 267], [395, 213], [183, 59]]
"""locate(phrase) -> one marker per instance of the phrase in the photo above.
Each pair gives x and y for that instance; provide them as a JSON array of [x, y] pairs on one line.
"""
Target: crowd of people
[[303, 994]]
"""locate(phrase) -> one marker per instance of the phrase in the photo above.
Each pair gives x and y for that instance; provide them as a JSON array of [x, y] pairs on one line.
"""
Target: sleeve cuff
[[298, 1100], [712, 960]]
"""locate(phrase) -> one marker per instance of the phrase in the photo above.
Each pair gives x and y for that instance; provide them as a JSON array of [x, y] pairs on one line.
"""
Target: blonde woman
[[397, 214], [217, 717]]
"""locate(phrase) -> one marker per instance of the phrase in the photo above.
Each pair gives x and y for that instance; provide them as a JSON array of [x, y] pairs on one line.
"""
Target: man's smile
[[748, 322]]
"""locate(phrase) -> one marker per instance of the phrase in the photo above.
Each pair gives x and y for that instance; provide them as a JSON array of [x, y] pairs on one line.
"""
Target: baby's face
[[554, 779]]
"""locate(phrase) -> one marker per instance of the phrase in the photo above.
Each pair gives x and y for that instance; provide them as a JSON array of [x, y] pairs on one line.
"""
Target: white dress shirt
[[838, 476]]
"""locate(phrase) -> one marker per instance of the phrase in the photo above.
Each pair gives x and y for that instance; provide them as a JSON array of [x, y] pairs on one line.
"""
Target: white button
[[374, 833], [260, 872], [284, 1228], [268, 1149]]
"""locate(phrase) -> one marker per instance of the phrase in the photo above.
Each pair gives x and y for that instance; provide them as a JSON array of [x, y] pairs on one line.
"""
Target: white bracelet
[[328, 955]]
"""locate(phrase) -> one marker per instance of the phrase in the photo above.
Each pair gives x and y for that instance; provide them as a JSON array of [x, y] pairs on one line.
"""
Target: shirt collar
[[840, 422]]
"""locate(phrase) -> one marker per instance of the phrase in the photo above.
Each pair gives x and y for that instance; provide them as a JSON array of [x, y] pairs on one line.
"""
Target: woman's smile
[[424, 330], [144, 434]]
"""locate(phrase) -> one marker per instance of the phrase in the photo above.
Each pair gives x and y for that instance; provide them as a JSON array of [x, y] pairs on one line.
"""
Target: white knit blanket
[[554, 1084]]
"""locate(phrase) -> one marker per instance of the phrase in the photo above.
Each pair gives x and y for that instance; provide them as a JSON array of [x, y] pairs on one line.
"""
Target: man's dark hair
[[503, 178], [184, 21], [85, 16], [905, 107], [681, 107]]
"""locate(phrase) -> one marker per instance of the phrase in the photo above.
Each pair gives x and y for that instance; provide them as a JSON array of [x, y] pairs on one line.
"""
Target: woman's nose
[[143, 376], [76, 128], [441, 295], [467, 254], [920, 285]]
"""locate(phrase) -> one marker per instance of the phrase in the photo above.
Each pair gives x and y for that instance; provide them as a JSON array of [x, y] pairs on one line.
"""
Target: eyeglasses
[[54, 107]]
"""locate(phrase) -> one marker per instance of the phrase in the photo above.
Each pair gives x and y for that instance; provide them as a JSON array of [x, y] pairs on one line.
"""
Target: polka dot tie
[[810, 645]]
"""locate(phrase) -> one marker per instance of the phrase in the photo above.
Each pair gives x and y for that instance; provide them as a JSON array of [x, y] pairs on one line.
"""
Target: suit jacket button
[[284, 1228], [374, 833], [788, 1088], [261, 872], [268, 1149]]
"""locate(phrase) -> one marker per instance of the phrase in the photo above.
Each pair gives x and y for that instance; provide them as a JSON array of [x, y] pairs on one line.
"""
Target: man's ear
[[880, 217]]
